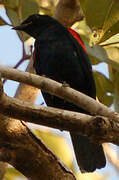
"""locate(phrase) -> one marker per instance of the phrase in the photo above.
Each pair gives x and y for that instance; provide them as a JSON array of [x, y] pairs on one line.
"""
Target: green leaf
[[104, 88], [115, 78], [32, 8], [102, 55], [29, 7], [94, 61], [13, 4], [18, 12], [11, 7], [102, 17], [113, 53], [13, 16], [2, 22]]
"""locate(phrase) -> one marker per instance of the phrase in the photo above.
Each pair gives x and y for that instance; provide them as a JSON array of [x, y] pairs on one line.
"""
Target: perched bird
[[61, 55]]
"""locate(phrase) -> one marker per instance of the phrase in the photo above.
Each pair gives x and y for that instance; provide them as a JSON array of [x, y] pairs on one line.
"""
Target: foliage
[[102, 17], [62, 149]]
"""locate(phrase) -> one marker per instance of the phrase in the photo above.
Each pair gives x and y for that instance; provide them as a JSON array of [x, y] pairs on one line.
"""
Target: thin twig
[[24, 57], [6, 23]]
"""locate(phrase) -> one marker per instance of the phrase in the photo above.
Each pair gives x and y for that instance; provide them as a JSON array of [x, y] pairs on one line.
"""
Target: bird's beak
[[21, 27]]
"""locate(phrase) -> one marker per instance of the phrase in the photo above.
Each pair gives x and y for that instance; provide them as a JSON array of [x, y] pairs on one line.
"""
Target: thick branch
[[60, 90], [99, 129], [20, 147], [3, 166]]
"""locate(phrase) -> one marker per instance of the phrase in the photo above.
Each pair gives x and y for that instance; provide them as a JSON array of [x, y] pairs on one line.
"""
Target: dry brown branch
[[28, 154], [61, 91], [68, 12], [20, 148], [98, 129], [3, 166]]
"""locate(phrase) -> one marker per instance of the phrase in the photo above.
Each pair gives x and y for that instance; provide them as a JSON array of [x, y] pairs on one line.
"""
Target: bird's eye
[[31, 22]]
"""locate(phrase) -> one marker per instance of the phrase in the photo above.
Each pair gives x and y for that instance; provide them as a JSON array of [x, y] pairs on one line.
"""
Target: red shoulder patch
[[77, 37]]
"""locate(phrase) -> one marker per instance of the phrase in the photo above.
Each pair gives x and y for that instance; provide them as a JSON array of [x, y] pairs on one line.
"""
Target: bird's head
[[35, 24]]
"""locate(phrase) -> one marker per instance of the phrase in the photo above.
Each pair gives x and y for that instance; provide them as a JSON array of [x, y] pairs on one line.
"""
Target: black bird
[[61, 57]]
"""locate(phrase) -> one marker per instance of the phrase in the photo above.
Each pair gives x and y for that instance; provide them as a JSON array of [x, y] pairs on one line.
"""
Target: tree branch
[[23, 150], [61, 91], [98, 129], [20, 148]]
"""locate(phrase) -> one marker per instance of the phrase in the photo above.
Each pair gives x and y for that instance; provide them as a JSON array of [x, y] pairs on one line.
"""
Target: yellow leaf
[[58, 145]]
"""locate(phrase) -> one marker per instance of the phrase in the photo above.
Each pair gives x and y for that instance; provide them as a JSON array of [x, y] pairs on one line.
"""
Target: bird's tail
[[89, 156]]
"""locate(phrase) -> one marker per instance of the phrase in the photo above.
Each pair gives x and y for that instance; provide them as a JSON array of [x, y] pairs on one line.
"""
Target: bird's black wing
[[59, 56]]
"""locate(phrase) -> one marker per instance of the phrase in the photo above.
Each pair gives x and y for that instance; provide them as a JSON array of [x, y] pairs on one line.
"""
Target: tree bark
[[99, 129], [61, 90]]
